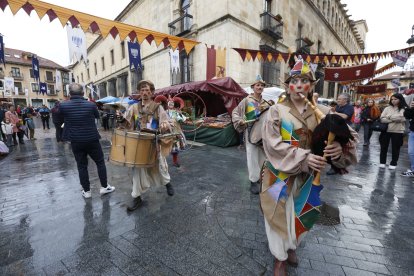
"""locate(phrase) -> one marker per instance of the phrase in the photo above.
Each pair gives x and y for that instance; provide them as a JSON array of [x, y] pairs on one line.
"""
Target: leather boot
[[254, 187], [136, 203], [279, 268], [170, 189], [292, 259]]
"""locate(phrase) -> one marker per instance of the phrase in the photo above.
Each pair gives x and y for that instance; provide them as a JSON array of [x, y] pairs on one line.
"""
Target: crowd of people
[[288, 145]]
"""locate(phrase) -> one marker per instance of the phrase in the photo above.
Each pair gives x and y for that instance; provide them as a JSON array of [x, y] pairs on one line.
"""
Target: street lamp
[[411, 39]]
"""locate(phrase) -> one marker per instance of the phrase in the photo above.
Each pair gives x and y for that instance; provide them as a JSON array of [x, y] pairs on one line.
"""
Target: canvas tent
[[217, 97]]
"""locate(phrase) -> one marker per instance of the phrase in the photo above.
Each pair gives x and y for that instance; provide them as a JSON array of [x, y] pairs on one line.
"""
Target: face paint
[[300, 85]]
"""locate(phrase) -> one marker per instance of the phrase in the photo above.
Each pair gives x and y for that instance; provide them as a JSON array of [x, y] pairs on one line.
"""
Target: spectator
[[105, 118], [80, 129], [2, 115], [394, 116], [356, 118], [409, 114], [57, 121], [45, 116], [13, 118], [30, 125], [7, 129], [370, 113]]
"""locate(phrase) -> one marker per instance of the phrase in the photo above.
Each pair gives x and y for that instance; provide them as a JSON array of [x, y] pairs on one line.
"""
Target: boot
[[254, 187], [279, 268], [21, 141], [136, 203], [292, 259], [170, 190]]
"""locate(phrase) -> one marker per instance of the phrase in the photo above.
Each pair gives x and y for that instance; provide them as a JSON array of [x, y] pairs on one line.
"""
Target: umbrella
[[109, 99]]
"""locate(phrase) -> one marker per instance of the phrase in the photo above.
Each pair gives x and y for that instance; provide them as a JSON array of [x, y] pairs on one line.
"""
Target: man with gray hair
[[80, 129], [346, 111]]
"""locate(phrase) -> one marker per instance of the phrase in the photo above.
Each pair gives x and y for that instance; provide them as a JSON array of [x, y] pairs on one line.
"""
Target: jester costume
[[289, 200], [249, 109]]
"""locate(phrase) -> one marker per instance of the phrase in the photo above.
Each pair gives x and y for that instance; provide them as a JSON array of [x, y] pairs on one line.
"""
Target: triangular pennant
[[63, 16], [40, 10], [248, 56], [28, 8], [259, 56], [114, 32], [16, 5], [173, 43], [104, 28], [270, 57], [253, 54], [158, 39]]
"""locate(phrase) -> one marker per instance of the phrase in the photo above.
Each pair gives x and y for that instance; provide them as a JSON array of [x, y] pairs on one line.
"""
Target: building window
[[112, 57], [15, 72], [35, 87], [82, 78], [49, 76], [268, 6], [19, 87], [122, 49], [300, 28], [319, 47], [65, 77], [184, 75], [103, 63], [96, 69], [51, 89], [270, 70], [31, 73], [77, 78], [88, 74]]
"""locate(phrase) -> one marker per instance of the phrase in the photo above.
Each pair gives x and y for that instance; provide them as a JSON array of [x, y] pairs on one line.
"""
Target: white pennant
[[77, 44], [175, 60]]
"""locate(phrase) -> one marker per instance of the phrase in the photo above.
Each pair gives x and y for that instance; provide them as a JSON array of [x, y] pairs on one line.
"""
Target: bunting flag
[[35, 67], [77, 44], [371, 89], [98, 25], [8, 86], [351, 73], [134, 51], [216, 63], [2, 59], [385, 68], [175, 60], [43, 88], [276, 56], [58, 81], [395, 82]]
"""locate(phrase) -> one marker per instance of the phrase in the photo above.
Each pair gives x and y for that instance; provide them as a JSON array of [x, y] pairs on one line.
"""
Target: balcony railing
[[303, 45], [271, 25], [181, 25], [16, 75]]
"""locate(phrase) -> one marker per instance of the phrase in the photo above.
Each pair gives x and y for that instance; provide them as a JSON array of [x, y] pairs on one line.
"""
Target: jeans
[[411, 149], [45, 122], [94, 150], [396, 143], [367, 132]]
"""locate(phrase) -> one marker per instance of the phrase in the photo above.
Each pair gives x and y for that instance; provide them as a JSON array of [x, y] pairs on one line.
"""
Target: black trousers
[[367, 132], [94, 150], [59, 131], [45, 122], [105, 123], [396, 143]]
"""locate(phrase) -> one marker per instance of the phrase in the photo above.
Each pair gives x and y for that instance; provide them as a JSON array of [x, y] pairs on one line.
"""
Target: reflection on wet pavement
[[212, 226]]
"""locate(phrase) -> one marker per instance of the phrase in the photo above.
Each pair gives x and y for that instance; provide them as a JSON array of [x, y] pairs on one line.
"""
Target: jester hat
[[301, 69]]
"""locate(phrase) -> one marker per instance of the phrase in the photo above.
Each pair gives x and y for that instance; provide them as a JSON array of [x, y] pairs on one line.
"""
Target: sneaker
[[382, 165], [392, 167], [108, 189], [408, 173], [86, 194]]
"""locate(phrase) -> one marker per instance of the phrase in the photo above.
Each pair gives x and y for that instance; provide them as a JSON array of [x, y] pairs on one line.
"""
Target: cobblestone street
[[212, 226]]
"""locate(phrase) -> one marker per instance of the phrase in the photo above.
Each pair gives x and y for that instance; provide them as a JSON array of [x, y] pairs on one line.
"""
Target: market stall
[[208, 104]]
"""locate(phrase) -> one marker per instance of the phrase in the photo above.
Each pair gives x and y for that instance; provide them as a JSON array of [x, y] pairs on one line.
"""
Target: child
[[31, 126], [7, 129]]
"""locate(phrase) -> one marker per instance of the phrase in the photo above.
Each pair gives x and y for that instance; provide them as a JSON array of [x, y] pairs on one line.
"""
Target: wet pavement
[[212, 226]]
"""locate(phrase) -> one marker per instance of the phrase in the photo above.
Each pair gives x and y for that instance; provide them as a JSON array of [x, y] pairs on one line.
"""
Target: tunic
[[250, 109], [289, 201]]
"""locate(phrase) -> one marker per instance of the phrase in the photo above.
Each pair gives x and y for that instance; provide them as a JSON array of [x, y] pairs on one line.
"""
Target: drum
[[255, 129], [133, 149]]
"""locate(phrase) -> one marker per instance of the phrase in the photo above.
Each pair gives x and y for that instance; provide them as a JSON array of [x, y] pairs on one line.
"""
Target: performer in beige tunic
[[243, 117], [289, 209], [150, 115]]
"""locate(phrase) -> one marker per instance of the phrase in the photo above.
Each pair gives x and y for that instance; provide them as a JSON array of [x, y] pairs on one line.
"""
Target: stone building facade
[[26, 89], [306, 26]]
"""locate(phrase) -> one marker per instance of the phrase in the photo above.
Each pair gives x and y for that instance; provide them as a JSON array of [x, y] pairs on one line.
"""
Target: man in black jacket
[[409, 114], [80, 129]]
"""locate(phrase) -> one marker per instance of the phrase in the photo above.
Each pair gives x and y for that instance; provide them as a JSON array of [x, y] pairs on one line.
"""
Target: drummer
[[147, 114], [244, 116]]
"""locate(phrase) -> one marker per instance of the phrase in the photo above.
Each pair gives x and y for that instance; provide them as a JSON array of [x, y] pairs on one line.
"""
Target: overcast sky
[[389, 25]]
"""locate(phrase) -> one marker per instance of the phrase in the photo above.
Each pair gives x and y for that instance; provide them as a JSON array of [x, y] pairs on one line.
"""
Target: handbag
[[379, 126]]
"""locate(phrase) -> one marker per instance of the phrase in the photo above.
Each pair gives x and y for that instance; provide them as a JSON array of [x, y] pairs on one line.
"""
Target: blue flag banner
[[134, 55], [2, 50], [35, 67], [43, 88]]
